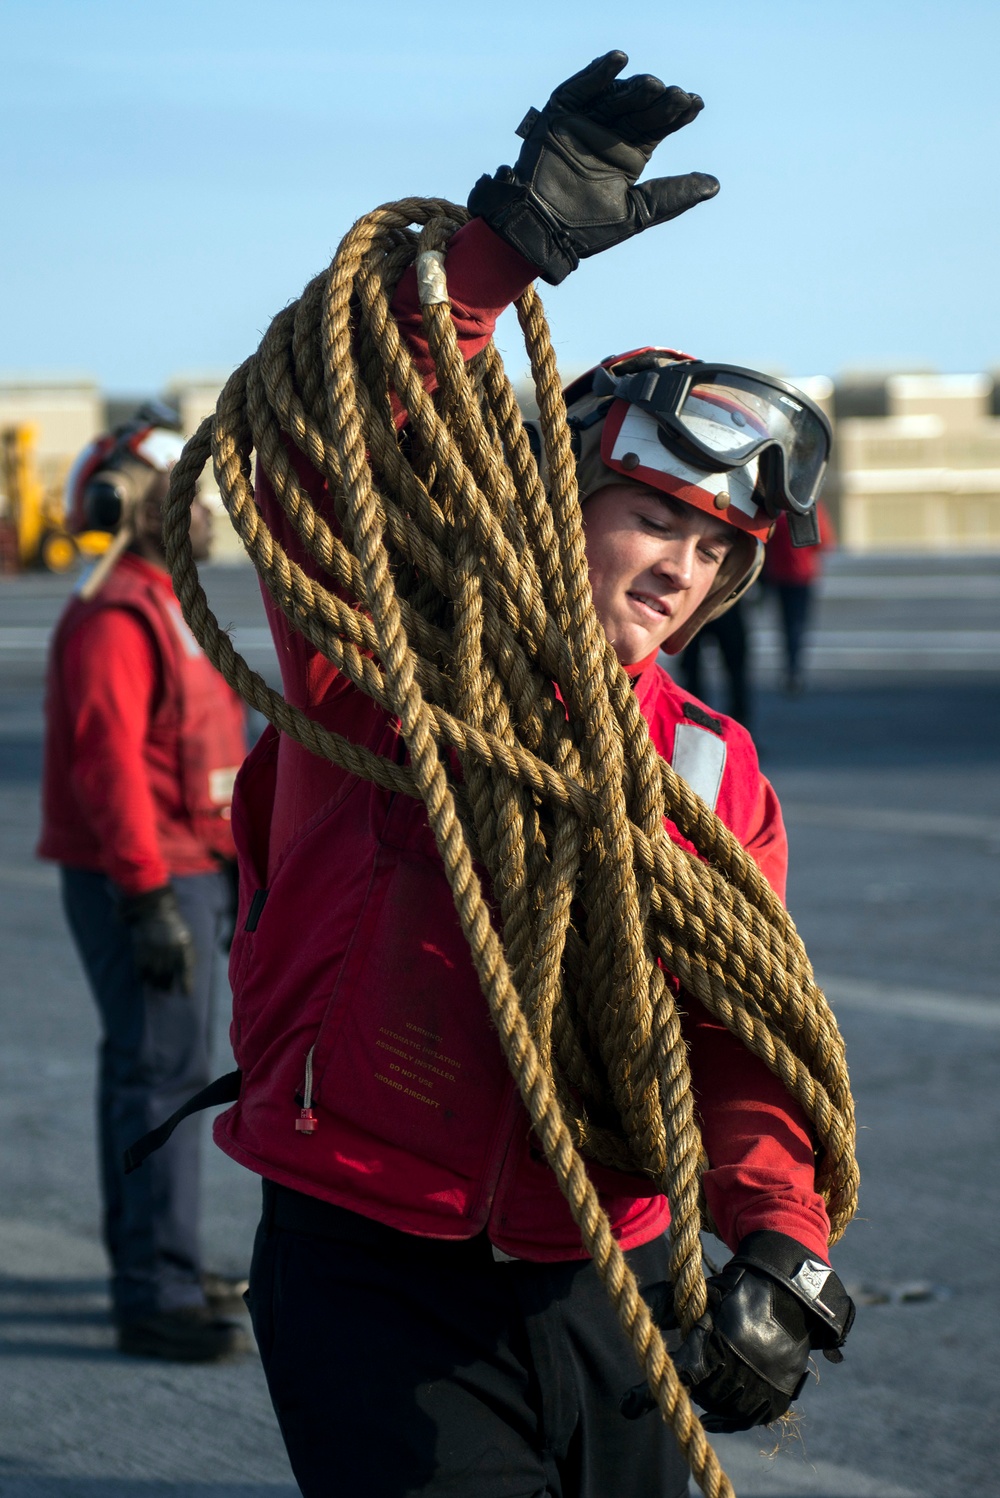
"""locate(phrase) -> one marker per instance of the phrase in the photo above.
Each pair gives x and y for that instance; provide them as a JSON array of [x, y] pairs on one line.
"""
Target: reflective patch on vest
[[187, 639], [220, 785], [700, 758]]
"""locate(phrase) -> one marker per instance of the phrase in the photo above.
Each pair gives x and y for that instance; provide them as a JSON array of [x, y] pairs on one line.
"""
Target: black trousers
[[400, 1365], [795, 607], [154, 1055]]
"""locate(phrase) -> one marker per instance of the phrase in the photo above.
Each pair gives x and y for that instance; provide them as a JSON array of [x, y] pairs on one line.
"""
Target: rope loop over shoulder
[[445, 582]]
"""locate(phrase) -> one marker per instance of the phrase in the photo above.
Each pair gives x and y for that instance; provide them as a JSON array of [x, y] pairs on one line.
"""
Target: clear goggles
[[720, 416]]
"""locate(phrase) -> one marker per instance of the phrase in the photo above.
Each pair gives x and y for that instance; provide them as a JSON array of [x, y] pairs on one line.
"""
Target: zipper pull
[[307, 1122]]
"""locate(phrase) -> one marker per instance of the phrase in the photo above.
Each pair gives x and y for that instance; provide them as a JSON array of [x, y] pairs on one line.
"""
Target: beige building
[[916, 456], [65, 414], [194, 397], [925, 474]]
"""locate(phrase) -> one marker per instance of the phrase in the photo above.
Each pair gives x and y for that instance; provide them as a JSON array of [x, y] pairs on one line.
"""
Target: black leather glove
[[161, 940], [572, 191], [745, 1360]]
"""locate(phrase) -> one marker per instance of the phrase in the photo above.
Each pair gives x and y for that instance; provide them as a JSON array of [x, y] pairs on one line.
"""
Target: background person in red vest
[[791, 573], [143, 741]]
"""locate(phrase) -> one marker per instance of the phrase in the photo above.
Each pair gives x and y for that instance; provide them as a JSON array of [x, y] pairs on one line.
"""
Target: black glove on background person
[[161, 940], [572, 190], [745, 1359]]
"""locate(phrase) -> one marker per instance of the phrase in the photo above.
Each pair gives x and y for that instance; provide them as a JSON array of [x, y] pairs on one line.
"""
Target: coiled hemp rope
[[457, 598]]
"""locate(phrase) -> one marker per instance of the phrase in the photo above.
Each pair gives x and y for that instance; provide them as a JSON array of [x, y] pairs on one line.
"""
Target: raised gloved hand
[[744, 1361], [161, 939], [572, 191]]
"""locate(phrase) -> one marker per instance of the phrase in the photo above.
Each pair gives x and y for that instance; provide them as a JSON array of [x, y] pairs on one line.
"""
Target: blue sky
[[173, 174]]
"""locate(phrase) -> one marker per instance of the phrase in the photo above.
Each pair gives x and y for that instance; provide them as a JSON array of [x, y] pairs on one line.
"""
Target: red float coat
[[143, 738], [348, 948]]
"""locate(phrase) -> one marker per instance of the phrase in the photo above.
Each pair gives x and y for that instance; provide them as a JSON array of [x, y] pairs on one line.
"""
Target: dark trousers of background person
[[729, 632], [795, 605], [794, 608], [154, 1055], [400, 1365]]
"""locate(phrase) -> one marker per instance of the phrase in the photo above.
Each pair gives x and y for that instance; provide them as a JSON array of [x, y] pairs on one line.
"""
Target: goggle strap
[[581, 423], [637, 389], [804, 529]]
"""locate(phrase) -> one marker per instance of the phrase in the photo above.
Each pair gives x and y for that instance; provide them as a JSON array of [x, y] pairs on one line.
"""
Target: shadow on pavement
[[66, 1352], [14, 1485], [51, 1287], [931, 722], [46, 1317], [55, 1315]]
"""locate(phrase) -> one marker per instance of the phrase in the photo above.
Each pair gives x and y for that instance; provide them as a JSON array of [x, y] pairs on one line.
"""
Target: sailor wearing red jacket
[[426, 1317], [791, 574], [143, 741]]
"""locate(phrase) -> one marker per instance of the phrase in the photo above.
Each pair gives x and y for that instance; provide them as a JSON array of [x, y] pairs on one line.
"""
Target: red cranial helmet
[[738, 444], [115, 471]]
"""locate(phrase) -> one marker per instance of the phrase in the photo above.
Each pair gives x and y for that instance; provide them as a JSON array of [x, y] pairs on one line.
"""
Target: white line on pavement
[[913, 588], [28, 876], [915, 1003], [885, 819], [25, 636], [36, 637], [829, 650], [894, 639]]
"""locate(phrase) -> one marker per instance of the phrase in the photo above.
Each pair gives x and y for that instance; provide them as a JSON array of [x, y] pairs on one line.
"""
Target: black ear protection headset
[[108, 494], [122, 479]]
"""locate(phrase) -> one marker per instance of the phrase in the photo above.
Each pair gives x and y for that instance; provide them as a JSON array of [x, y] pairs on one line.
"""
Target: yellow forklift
[[32, 518]]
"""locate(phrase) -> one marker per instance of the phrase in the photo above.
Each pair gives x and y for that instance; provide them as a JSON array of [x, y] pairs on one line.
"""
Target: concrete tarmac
[[888, 772]]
